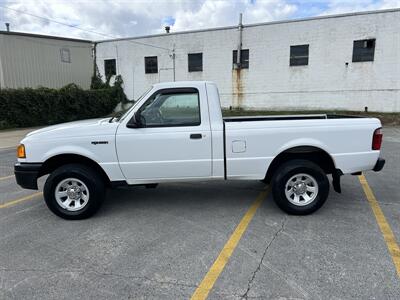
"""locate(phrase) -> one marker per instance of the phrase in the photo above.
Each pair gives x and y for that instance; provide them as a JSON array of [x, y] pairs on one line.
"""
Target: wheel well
[[59, 160], [314, 154]]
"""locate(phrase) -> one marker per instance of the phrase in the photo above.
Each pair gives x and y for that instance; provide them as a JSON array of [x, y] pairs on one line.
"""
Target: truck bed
[[287, 117]]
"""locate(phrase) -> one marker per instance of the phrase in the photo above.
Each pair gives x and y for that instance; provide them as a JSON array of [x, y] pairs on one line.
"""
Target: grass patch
[[387, 119]]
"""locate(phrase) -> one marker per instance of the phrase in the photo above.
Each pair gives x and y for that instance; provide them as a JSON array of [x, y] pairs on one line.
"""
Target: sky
[[99, 20]]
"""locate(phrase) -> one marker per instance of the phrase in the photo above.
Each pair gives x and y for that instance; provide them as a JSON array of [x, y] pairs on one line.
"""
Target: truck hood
[[91, 127]]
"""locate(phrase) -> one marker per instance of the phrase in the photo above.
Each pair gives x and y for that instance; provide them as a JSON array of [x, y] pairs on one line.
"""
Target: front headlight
[[21, 151]]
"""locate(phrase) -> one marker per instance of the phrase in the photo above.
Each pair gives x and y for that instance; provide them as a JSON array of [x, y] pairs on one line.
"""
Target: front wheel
[[300, 187], [74, 192]]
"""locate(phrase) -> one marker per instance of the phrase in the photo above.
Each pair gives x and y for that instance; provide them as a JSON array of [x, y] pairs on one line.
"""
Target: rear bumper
[[379, 164], [27, 174]]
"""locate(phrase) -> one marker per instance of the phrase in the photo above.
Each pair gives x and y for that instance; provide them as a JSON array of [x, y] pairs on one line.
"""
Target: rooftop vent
[[8, 26], [167, 29]]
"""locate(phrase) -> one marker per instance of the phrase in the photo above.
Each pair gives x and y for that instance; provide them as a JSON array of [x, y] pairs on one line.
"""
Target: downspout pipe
[[239, 49], [173, 62], [94, 49]]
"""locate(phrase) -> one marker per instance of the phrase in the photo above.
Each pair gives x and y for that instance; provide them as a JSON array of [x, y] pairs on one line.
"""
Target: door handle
[[195, 136]]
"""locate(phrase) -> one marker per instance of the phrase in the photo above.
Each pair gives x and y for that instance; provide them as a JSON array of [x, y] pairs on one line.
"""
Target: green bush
[[43, 106]]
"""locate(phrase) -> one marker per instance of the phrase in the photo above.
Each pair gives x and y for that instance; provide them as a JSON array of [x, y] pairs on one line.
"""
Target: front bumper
[[27, 174], [379, 164]]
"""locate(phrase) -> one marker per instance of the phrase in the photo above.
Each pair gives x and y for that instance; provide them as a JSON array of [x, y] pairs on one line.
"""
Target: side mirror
[[135, 122]]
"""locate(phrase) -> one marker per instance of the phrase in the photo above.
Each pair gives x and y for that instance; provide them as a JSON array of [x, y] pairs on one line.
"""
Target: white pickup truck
[[175, 132]]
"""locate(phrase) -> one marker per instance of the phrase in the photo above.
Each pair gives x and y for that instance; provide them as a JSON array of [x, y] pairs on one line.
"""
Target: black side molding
[[379, 164], [27, 174]]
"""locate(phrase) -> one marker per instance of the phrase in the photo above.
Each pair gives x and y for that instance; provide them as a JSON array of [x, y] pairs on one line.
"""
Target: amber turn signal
[[21, 151]]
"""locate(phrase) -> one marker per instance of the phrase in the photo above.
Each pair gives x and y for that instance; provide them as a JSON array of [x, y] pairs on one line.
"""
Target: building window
[[65, 55], [110, 67], [299, 55], [150, 64], [244, 59], [195, 62], [363, 50]]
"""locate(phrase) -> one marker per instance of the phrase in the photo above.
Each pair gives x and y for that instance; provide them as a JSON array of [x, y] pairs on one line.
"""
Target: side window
[[172, 108], [150, 64], [299, 55], [65, 55], [363, 50], [195, 62], [244, 59], [110, 67]]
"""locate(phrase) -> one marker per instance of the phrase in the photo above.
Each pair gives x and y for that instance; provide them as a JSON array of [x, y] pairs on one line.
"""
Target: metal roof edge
[[42, 36], [255, 24]]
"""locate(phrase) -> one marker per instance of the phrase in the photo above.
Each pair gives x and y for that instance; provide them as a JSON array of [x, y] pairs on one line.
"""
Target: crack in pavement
[[249, 284]]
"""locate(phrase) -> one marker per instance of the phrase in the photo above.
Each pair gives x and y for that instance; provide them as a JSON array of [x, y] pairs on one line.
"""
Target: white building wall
[[28, 61], [270, 83]]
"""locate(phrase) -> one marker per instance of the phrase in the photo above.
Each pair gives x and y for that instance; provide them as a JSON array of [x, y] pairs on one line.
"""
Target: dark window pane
[[168, 109], [363, 50], [195, 62], [299, 55], [244, 58], [110, 67], [150, 64]]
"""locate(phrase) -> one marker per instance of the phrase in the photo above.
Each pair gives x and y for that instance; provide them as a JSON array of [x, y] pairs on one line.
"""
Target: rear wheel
[[74, 192], [300, 187]]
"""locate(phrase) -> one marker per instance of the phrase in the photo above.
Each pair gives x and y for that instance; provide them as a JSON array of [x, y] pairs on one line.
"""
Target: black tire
[[293, 168], [93, 182]]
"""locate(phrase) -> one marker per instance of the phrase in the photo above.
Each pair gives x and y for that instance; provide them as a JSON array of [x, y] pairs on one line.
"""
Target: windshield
[[123, 113]]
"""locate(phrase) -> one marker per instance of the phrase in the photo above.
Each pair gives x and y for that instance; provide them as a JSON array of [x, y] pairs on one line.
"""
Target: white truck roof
[[173, 84]]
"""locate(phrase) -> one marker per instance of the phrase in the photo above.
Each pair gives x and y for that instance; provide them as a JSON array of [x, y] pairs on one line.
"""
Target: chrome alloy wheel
[[72, 194], [301, 189]]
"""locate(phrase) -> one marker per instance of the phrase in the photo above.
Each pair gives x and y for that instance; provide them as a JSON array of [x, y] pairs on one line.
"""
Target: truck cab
[[177, 118]]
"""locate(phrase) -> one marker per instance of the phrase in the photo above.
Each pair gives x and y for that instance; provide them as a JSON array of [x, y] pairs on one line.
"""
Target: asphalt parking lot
[[160, 243]]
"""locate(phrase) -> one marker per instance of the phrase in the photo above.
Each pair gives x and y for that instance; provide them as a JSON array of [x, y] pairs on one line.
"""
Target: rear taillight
[[377, 139]]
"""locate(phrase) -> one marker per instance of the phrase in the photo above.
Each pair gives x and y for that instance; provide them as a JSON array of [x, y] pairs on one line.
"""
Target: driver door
[[173, 141]]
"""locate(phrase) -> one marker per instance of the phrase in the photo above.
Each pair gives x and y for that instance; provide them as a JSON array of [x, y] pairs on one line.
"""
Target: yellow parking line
[[6, 177], [384, 226], [211, 277], [16, 201]]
